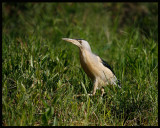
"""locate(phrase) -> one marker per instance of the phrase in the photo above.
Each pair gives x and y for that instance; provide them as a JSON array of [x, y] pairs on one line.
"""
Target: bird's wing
[[106, 65]]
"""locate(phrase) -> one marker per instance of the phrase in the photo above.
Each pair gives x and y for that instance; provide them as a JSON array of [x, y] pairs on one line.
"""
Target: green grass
[[41, 73]]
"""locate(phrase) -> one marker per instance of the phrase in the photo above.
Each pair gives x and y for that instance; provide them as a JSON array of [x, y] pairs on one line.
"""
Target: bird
[[98, 70]]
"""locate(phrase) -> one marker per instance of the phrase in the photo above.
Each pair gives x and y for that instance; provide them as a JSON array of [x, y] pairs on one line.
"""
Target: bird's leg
[[102, 91], [95, 84], [94, 90], [95, 87]]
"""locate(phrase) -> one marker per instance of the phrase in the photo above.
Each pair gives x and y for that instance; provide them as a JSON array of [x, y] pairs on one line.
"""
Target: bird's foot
[[91, 94], [83, 95]]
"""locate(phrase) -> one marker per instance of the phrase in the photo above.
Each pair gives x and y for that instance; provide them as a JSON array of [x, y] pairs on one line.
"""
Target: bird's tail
[[119, 83]]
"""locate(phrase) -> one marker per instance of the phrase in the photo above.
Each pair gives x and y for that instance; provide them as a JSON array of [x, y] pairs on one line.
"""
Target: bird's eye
[[80, 41]]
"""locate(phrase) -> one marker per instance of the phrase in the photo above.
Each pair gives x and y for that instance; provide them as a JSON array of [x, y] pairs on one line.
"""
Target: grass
[[41, 73]]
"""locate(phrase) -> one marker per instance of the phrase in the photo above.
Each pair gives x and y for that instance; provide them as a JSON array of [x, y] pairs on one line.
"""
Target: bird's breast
[[88, 63]]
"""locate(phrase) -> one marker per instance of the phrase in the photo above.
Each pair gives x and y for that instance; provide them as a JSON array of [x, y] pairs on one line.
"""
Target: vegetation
[[41, 73]]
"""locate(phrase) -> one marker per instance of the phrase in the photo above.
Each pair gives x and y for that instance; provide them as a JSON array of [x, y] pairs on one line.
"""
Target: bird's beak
[[73, 41]]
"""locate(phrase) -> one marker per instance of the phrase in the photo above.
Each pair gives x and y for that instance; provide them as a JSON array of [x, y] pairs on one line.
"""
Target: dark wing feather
[[119, 83], [78, 39], [107, 65]]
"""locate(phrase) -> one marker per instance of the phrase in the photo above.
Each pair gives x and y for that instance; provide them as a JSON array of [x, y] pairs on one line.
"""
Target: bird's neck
[[85, 53], [88, 49]]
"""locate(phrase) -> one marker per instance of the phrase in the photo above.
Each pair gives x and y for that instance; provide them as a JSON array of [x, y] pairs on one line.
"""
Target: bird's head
[[82, 44]]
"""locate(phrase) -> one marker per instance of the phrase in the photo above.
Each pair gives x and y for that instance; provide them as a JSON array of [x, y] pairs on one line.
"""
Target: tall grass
[[41, 73]]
